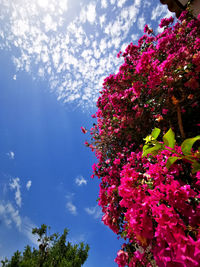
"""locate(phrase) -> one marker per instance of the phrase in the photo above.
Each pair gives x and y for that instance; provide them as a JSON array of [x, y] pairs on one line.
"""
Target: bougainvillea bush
[[153, 206]]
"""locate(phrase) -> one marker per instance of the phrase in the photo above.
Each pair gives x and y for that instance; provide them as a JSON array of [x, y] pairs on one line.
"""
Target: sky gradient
[[54, 57]]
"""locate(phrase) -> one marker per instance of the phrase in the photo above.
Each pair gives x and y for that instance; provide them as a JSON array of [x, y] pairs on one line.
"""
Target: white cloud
[[103, 45], [71, 208], [158, 11], [102, 20], [15, 185], [49, 24], [10, 215], [80, 181], [14, 215], [42, 3], [88, 13], [123, 47], [120, 3], [11, 154], [114, 28], [134, 37], [70, 205], [94, 211], [141, 23], [74, 75], [28, 185], [91, 13], [104, 4], [63, 4]]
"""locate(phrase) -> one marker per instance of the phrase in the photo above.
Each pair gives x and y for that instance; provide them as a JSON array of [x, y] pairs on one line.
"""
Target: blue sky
[[54, 56]]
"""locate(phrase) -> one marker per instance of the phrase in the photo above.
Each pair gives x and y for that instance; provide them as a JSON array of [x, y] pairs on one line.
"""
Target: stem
[[180, 123], [181, 155]]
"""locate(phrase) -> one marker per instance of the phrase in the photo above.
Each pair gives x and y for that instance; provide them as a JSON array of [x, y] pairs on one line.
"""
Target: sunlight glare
[[42, 3]]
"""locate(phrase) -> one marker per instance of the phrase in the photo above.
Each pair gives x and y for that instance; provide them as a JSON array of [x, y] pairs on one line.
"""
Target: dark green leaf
[[186, 146], [171, 161], [169, 138], [195, 167]]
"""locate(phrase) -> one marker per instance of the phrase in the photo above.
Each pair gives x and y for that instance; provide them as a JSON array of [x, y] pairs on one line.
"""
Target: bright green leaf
[[145, 147], [186, 146], [155, 133], [169, 138], [151, 150], [171, 161]]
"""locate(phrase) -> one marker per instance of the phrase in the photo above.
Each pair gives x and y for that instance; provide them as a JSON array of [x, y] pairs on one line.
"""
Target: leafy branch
[[153, 147]]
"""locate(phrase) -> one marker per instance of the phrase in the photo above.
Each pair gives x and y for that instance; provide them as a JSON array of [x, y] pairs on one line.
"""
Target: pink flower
[[164, 111], [153, 207], [165, 22], [122, 258], [147, 29], [117, 161], [83, 130]]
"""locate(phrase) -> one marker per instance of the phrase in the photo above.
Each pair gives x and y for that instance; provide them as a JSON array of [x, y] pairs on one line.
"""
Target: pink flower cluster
[[155, 209]]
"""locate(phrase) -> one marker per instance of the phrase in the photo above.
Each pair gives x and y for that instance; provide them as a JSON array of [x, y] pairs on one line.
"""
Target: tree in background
[[53, 251], [150, 195]]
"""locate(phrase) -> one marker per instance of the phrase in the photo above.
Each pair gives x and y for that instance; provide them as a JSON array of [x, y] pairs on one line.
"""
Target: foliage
[[154, 208], [53, 251], [152, 147]]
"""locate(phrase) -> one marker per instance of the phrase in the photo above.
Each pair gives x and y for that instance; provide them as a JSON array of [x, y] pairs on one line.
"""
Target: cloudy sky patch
[[80, 180], [15, 185]]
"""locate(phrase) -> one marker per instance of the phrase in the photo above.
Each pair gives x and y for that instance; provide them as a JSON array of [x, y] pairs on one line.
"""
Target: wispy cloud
[[94, 211], [160, 11], [74, 56], [28, 184], [80, 180], [15, 185], [77, 239], [27, 226], [141, 23], [11, 154], [10, 214], [70, 205]]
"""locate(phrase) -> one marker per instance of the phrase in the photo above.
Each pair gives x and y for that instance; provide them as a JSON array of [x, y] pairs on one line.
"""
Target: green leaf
[[145, 147], [186, 146], [151, 150], [171, 161], [169, 138], [155, 133], [195, 167]]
